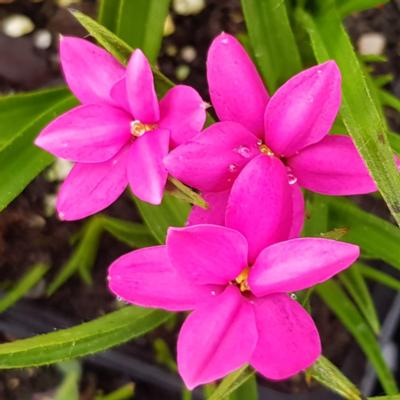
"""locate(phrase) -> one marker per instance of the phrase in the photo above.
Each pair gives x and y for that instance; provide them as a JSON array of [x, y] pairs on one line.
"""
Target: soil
[[28, 235]]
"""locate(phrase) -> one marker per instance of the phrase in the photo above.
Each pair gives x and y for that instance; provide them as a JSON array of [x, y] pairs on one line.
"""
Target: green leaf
[[354, 282], [246, 391], [21, 160], [362, 118], [347, 7], [125, 392], [395, 397], [327, 374], [118, 48], [171, 212], [232, 382], [108, 13], [27, 282], [337, 300], [69, 388], [18, 111], [83, 256], [133, 234], [379, 276], [272, 40], [377, 237], [139, 23], [88, 338]]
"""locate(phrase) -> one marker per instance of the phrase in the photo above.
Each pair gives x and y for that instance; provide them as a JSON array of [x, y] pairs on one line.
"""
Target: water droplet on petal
[[293, 296], [61, 215], [224, 40], [120, 298], [114, 162], [319, 71], [213, 292], [291, 179], [259, 142], [232, 167], [244, 151]]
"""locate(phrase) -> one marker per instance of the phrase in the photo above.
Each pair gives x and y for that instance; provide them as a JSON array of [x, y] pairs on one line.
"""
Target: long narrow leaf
[[362, 118], [27, 282], [18, 110], [272, 40], [88, 338], [379, 276], [21, 161], [231, 383], [337, 300], [171, 212], [354, 282], [327, 374]]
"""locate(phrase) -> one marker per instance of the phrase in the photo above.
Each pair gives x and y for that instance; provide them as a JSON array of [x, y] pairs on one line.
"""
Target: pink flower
[[120, 133], [236, 279], [291, 126]]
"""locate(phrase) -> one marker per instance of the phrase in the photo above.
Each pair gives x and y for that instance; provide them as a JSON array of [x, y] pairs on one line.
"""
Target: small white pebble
[[17, 25], [188, 7], [182, 72], [42, 39], [169, 26], [371, 43], [49, 205], [188, 53], [59, 170], [66, 3]]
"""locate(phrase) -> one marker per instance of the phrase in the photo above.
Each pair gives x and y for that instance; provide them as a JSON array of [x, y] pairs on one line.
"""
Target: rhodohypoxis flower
[[236, 279], [291, 126], [242, 313], [120, 133]]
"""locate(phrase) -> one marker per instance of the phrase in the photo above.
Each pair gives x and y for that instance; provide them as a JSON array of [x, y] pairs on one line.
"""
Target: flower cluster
[[236, 263]]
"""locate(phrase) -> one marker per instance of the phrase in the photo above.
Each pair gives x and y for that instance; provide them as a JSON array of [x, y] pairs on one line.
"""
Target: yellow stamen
[[138, 128], [241, 280], [266, 150]]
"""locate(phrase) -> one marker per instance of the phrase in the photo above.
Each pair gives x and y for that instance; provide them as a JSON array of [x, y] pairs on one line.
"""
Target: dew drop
[[293, 296], [224, 40], [291, 179], [114, 162], [213, 293], [319, 71], [244, 151], [232, 167], [120, 298], [259, 142], [61, 215]]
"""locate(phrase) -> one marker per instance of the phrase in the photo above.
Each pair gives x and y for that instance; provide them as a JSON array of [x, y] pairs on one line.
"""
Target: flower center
[[265, 149], [138, 128], [241, 280]]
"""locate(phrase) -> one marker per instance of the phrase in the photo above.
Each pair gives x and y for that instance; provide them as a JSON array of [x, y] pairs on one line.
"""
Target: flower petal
[[182, 111], [89, 70], [147, 278], [288, 340], [297, 212], [216, 339], [146, 172], [212, 160], [120, 96], [260, 204], [303, 110], [215, 213], [207, 254], [332, 166], [89, 133], [140, 88], [90, 188], [298, 264], [236, 89]]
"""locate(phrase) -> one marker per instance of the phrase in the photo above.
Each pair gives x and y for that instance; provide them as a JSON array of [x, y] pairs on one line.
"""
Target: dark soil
[[27, 235]]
